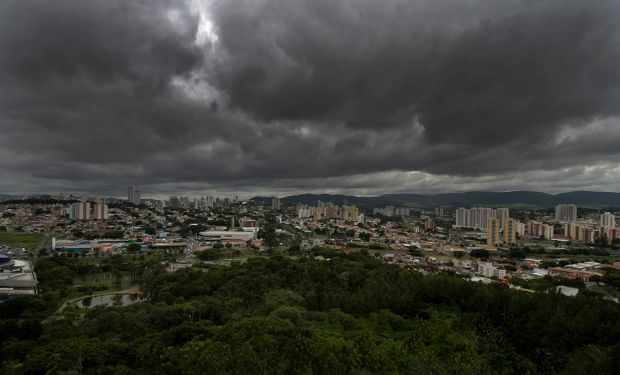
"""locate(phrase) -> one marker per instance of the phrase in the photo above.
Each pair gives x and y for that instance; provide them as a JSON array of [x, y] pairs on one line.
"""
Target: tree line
[[348, 314]]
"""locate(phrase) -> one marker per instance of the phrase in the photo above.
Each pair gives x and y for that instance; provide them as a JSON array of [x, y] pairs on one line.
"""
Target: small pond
[[109, 300]]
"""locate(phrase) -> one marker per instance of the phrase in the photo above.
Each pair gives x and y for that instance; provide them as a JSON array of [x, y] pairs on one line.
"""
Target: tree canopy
[[351, 314]]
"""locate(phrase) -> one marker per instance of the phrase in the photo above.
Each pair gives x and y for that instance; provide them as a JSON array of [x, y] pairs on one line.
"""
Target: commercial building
[[18, 279], [216, 235]]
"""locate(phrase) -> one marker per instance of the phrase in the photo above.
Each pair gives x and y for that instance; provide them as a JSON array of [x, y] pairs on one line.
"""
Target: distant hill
[[6, 197], [482, 198]]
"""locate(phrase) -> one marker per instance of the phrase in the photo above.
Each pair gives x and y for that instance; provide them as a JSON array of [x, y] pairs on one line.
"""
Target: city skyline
[[274, 97], [309, 186]]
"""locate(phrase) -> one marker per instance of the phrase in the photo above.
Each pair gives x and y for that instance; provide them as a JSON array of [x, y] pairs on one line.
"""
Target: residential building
[[275, 203], [133, 195], [510, 231], [608, 220], [461, 217], [80, 211], [502, 215], [101, 210], [565, 212], [429, 224], [493, 232]]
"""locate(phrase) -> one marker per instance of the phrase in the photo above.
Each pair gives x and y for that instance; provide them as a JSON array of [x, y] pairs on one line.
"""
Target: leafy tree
[[517, 253], [212, 254], [268, 235], [601, 241], [133, 247], [480, 253], [415, 252]]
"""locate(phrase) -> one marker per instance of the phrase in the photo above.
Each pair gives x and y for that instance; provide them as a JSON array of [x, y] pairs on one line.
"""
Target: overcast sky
[[283, 96]]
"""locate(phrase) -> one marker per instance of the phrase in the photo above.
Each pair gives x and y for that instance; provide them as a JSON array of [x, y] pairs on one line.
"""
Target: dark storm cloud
[[382, 63], [308, 94]]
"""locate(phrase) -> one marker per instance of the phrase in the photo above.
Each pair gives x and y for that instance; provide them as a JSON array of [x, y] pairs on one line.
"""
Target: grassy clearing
[[19, 239]]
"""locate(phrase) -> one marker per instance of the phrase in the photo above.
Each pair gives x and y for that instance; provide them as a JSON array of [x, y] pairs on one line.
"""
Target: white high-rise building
[[566, 212], [608, 220], [80, 211], [478, 217], [131, 191], [161, 204], [484, 215], [461, 217], [502, 215], [133, 195], [275, 203], [101, 210]]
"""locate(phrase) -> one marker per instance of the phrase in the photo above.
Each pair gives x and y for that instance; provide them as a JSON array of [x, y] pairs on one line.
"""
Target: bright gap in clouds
[[206, 33]]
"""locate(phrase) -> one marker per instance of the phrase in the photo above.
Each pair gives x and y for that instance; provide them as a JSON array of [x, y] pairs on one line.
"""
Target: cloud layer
[[356, 96]]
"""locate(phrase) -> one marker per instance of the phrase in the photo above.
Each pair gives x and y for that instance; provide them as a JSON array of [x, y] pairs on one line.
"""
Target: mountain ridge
[[519, 198]]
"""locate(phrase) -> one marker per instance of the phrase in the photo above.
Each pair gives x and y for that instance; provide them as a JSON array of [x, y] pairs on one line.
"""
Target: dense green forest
[[350, 314]]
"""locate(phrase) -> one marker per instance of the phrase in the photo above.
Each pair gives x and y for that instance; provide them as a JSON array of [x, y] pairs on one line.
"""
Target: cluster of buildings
[[500, 228], [179, 202], [480, 267], [501, 231], [198, 203], [588, 232], [478, 217], [328, 210], [83, 210], [496, 222], [538, 229], [391, 211]]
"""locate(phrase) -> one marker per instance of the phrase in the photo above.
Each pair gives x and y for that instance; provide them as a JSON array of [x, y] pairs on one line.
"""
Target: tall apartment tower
[[608, 220], [502, 215], [461, 217], [484, 214], [101, 210], [133, 195], [493, 234], [80, 210], [275, 203], [510, 231], [566, 212]]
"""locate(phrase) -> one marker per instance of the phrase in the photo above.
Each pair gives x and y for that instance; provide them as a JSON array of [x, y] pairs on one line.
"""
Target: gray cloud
[[319, 95]]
